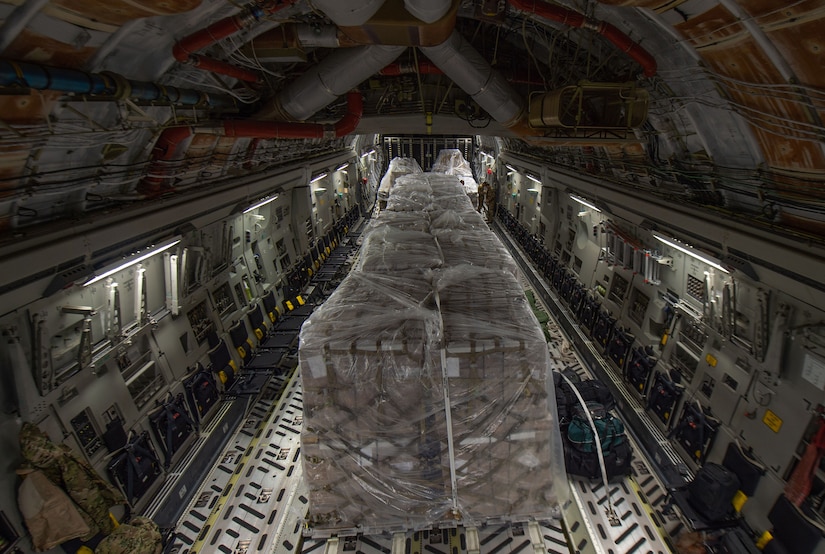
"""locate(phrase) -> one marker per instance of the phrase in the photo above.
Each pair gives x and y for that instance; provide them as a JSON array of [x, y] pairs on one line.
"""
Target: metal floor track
[[245, 502], [648, 524]]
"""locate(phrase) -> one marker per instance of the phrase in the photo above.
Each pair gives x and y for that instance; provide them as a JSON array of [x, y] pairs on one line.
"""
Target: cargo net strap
[[445, 383]]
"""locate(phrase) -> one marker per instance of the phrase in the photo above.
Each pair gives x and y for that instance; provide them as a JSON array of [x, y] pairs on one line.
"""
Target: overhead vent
[[392, 24]]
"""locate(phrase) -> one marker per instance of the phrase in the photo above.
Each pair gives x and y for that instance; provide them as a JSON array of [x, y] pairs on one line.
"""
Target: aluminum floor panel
[[245, 503]]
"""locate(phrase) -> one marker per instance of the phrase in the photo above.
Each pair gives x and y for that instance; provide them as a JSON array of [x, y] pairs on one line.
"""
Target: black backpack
[[711, 491]]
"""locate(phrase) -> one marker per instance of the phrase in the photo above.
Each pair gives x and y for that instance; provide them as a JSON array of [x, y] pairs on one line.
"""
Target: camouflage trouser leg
[[139, 536]]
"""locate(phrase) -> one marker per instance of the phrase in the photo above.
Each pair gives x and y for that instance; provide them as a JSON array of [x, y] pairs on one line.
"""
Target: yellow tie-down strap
[[289, 306], [242, 352], [300, 300], [259, 333]]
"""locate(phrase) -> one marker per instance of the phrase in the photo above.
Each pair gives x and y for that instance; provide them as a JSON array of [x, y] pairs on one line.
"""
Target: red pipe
[[250, 152], [608, 31], [626, 44], [164, 150], [550, 11], [206, 37], [185, 50], [171, 139]]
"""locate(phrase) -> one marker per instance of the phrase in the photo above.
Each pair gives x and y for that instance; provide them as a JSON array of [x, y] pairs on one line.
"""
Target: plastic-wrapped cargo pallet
[[451, 161], [397, 168], [427, 390]]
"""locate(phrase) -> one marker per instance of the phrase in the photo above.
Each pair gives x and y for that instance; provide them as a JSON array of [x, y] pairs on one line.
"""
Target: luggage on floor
[[711, 491]]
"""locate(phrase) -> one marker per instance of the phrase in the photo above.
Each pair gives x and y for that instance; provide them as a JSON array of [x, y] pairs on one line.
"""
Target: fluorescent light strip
[[687, 249], [342, 167], [584, 202], [368, 152], [263, 202], [510, 167], [533, 178], [318, 177], [128, 263]]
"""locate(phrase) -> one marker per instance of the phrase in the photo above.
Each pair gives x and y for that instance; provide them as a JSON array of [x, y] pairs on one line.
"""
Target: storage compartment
[[590, 105]]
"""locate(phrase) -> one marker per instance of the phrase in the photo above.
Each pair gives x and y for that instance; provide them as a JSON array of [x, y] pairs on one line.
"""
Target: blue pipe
[[29, 75]]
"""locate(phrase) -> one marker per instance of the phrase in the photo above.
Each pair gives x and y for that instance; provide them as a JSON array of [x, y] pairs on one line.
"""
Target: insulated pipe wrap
[[340, 72], [41, 77], [428, 11], [473, 74]]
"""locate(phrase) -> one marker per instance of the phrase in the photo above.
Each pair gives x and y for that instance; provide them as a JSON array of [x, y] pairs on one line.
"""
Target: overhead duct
[[322, 84], [393, 24], [287, 130], [17, 20], [349, 13], [473, 74], [428, 11]]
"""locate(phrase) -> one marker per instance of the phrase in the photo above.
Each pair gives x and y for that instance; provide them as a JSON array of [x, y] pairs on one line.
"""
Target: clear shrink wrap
[[457, 220], [411, 202], [373, 406], [405, 221], [397, 168], [474, 247], [427, 397], [450, 161], [496, 360], [387, 249]]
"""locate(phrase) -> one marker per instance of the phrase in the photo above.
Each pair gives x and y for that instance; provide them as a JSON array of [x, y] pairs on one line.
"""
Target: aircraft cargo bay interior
[[396, 276]]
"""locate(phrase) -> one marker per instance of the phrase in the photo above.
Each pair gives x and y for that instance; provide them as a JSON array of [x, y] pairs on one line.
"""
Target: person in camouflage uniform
[[93, 496], [139, 536], [490, 201]]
